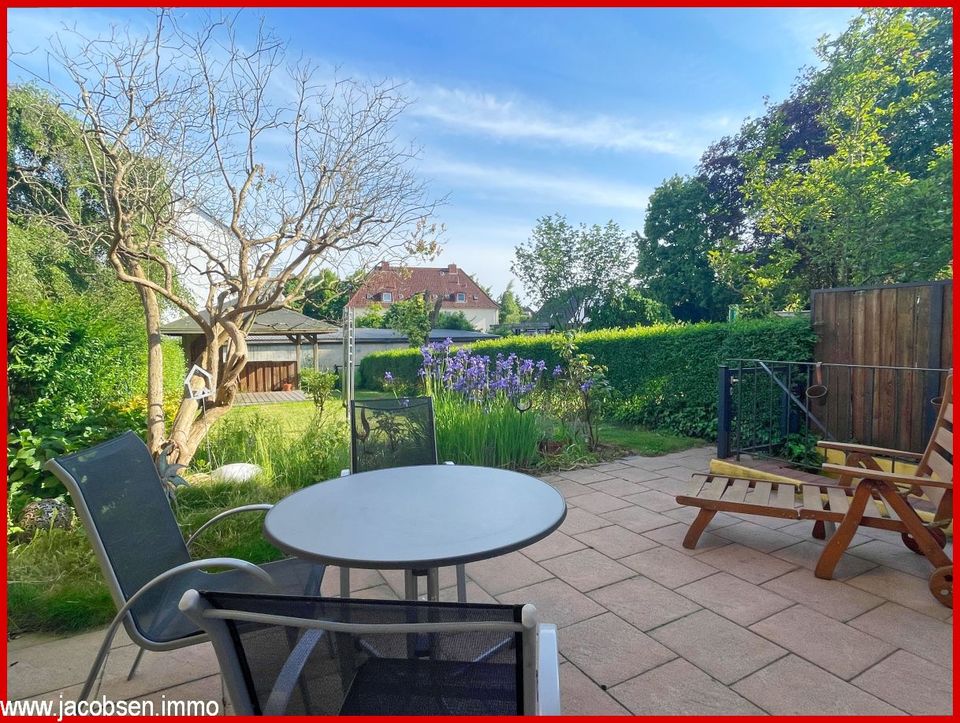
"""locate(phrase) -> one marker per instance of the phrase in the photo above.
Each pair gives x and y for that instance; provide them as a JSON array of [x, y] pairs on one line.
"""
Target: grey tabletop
[[415, 517]]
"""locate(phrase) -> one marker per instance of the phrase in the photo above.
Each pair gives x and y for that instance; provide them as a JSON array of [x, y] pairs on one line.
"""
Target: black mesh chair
[[118, 495], [330, 656], [395, 433]]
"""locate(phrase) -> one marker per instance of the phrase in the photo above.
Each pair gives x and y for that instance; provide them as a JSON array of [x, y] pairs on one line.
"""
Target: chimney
[[452, 269], [384, 264]]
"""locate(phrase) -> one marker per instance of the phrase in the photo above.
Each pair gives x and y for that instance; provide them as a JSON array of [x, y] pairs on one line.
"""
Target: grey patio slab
[[738, 600], [669, 485], [688, 514], [581, 696], [619, 487], [586, 475], [833, 598], [902, 588], [672, 536], [915, 632], [678, 688], [792, 686], [555, 544], [610, 466], [475, 593], [637, 519], [580, 521], [637, 474], [599, 502], [587, 569], [896, 556], [756, 536], [360, 579], [610, 650], [721, 648], [828, 643], [643, 603], [505, 573], [654, 500], [912, 684], [745, 562], [556, 602], [807, 553], [615, 541], [668, 567], [567, 487]]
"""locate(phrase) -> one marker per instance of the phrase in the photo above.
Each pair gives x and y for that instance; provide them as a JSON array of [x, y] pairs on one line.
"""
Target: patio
[[738, 626]]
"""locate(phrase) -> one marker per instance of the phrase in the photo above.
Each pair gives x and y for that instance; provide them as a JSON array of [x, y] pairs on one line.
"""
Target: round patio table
[[415, 519]]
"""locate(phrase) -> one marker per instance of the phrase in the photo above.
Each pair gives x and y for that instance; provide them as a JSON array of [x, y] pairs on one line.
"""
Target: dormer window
[[461, 297], [386, 296]]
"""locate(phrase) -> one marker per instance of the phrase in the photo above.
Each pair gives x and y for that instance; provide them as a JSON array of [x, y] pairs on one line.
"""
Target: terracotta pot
[[286, 387]]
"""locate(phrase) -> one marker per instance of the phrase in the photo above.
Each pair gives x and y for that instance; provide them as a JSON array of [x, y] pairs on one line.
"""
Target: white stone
[[236, 472]]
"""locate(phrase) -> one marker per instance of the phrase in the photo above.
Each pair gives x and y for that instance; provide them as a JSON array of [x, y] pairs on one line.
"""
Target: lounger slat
[[941, 467], [784, 496], [839, 502], [948, 413], [760, 494], [696, 484], [712, 489], [944, 438], [737, 491], [811, 498]]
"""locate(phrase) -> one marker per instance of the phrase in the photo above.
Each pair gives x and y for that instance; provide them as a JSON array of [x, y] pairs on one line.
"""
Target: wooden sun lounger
[[865, 494]]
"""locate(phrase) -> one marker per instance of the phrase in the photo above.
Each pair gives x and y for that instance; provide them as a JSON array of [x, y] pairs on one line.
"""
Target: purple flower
[[557, 371], [585, 387], [387, 377]]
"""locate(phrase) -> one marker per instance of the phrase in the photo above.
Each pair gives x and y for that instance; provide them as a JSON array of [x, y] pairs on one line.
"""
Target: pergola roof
[[282, 321]]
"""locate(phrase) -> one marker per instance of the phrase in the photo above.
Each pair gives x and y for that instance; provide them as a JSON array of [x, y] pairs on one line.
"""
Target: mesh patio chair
[[118, 495], [395, 433], [334, 656]]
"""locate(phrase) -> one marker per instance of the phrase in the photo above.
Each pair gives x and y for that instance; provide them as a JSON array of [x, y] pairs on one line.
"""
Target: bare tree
[[227, 177]]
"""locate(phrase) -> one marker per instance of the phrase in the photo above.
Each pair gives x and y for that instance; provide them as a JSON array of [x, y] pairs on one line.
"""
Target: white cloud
[[574, 188], [514, 119]]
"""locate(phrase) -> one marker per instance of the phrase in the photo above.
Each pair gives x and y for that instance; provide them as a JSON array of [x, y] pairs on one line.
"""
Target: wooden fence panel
[[267, 376], [902, 325]]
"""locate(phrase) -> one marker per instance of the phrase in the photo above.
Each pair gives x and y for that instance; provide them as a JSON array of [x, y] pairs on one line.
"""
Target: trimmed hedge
[[664, 376]]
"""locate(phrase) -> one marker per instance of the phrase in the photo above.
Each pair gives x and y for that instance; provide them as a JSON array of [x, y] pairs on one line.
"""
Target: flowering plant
[[580, 387]]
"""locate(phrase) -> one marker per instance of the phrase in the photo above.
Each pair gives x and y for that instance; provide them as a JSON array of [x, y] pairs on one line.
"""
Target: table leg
[[344, 582], [410, 586], [433, 584]]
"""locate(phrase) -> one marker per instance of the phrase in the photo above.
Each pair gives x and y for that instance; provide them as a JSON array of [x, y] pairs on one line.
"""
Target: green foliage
[[410, 317], [319, 384], [663, 377], [510, 311], [567, 268], [373, 318], [453, 320], [627, 307], [325, 295], [579, 390]]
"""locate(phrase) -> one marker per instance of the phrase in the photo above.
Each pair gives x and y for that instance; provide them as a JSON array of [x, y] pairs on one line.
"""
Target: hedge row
[[663, 376]]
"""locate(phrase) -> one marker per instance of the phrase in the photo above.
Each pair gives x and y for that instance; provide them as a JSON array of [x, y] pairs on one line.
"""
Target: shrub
[[319, 385], [660, 376]]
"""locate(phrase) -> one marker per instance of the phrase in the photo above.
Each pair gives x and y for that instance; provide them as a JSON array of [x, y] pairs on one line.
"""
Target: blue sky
[[521, 113]]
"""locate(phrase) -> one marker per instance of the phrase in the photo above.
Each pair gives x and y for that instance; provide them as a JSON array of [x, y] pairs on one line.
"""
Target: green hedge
[[663, 376]]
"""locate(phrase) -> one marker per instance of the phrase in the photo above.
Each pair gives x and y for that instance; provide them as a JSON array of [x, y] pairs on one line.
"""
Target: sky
[[522, 113]]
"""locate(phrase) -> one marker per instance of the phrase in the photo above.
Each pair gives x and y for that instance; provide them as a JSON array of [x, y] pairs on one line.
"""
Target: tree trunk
[[155, 415]]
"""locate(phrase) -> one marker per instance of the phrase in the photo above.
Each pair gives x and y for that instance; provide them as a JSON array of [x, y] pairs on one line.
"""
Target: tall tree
[[510, 311], [565, 268], [325, 295], [181, 128], [625, 308]]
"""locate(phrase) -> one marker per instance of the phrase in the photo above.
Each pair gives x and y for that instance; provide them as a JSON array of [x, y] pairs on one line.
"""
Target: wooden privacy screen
[[267, 376], [902, 325]]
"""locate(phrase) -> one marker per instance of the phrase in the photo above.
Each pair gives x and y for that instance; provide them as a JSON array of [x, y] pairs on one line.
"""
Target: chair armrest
[[866, 449], [217, 519], [882, 476], [344, 473], [548, 671]]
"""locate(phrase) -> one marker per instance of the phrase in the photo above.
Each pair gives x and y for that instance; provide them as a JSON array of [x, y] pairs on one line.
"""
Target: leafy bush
[[319, 384], [663, 377]]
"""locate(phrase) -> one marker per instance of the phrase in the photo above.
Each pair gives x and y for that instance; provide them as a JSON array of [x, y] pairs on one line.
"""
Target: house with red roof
[[450, 285]]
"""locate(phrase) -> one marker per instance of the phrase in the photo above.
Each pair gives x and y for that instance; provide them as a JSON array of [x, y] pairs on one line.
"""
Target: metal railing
[[763, 404]]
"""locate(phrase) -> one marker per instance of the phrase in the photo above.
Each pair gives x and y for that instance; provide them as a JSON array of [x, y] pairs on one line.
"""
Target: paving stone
[[507, 572], [581, 696], [651, 463], [774, 523], [360, 579], [585, 475], [738, 600], [804, 529], [683, 473], [807, 553], [745, 562], [581, 521], [835, 647], [475, 593], [610, 650], [896, 556], [447, 576], [680, 689], [912, 684], [587, 569], [756, 536], [672, 536], [688, 514], [615, 541], [792, 686], [654, 500], [902, 588], [556, 602], [619, 487], [598, 502], [381, 592], [568, 488], [669, 485], [915, 632], [553, 545], [637, 474], [643, 603], [717, 646], [206, 690], [668, 567], [610, 466], [833, 598], [637, 519]]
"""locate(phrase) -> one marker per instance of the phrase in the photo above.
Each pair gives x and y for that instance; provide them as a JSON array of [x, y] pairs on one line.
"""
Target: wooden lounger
[[865, 494]]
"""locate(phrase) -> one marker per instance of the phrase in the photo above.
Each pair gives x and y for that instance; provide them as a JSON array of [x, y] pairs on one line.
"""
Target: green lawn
[[647, 442]]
